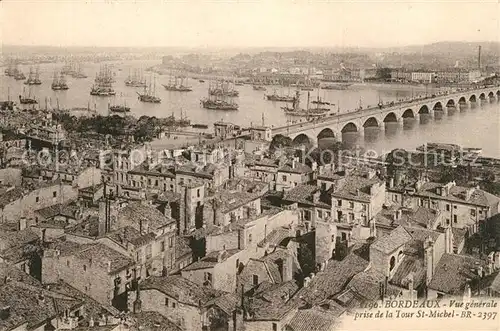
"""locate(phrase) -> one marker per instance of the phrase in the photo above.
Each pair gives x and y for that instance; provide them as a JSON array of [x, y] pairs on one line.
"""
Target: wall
[[26, 206], [89, 177], [11, 176], [187, 316]]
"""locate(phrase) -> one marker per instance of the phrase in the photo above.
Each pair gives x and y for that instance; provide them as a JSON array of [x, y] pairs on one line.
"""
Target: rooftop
[[453, 271], [182, 289]]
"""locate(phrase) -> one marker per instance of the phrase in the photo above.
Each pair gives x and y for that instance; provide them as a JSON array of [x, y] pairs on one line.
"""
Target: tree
[[280, 141], [383, 73]]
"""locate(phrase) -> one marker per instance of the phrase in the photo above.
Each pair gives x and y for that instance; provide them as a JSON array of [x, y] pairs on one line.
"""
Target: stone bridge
[[337, 124]]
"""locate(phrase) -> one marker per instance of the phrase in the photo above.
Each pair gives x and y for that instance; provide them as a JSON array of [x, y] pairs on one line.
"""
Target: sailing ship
[[33, 77], [218, 101], [149, 94], [27, 99], [11, 70], [19, 75], [280, 98], [183, 121], [78, 73], [103, 83], [223, 88], [320, 101], [67, 69], [259, 88], [59, 82], [116, 108], [136, 80], [295, 110], [177, 84]]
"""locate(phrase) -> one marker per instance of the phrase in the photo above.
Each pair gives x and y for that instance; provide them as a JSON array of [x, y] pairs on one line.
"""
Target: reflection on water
[[475, 126]]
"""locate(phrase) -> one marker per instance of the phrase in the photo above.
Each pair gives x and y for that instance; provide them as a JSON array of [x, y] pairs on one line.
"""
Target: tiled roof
[[311, 320], [136, 211], [366, 285], [182, 289], [457, 194], [356, 188], [397, 238], [227, 302], [333, 279], [299, 168], [410, 265], [152, 320], [304, 194], [68, 210], [129, 234], [276, 236], [182, 247], [452, 272], [102, 254], [27, 306], [211, 259], [271, 301], [17, 238], [10, 196], [14, 273]]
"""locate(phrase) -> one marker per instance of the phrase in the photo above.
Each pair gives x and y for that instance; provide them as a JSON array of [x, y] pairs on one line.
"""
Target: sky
[[258, 23]]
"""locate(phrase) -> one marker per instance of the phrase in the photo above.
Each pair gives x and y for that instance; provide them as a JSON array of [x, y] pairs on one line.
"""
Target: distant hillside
[[450, 47]]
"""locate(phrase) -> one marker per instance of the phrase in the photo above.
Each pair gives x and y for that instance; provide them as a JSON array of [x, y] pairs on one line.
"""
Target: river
[[477, 127]]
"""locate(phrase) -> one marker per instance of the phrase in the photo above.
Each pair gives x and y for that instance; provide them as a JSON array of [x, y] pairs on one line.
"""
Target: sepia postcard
[[249, 165]]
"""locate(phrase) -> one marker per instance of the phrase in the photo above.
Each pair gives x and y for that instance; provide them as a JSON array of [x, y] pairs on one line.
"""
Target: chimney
[[316, 196], [391, 182], [167, 211], [398, 214], [480, 271], [137, 302], [109, 266], [429, 259], [307, 280], [293, 163], [448, 240], [22, 223], [479, 57], [102, 218], [410, 286]]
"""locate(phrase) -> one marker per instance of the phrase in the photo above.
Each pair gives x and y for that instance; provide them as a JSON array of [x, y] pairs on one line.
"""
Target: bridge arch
[[438, 106], [462, 100], [472, 98], [424, 110], [349, 127], [326, 133], [391, 117], [482, 96], [408, 113], [491, 95], [303, 139], [450, 103], [498, 93], [371, 123]]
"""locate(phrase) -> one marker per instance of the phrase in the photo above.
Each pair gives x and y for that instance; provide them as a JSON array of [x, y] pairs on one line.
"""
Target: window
[[208, 277], [255, 280], [351, 204], [67, 263], [237, 265], [344, 236], [447, 207], [392, 263], [162, 246], [473, 212], [54, 194], [447, 221], [149, 252], [351, 217], [284, 178], [198, 193], [156, 182], [455, 219], [166, 302], [320, 214], [394, 198], [275, 326], [323, 186], [454, 207], [173, 304], [37, 199], [84, 267], [170, 242], [339, 203], [198, 204], [249, 238]]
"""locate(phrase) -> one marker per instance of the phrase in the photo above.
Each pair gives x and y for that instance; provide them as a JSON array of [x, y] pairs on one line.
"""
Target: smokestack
[[479, 57]]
